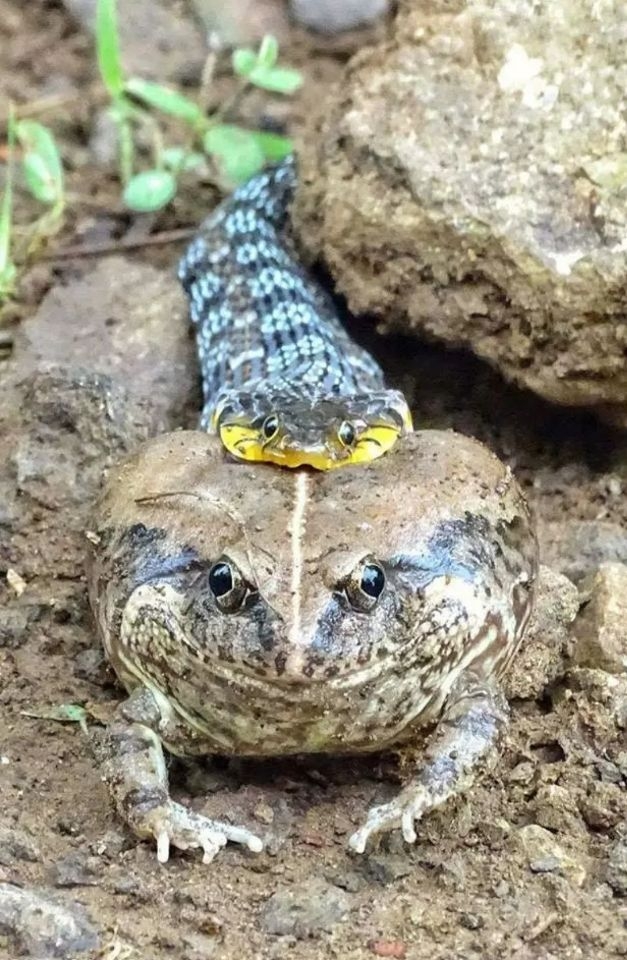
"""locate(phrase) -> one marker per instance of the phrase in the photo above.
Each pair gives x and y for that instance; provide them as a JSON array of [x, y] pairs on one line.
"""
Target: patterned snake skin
[[280, 374]]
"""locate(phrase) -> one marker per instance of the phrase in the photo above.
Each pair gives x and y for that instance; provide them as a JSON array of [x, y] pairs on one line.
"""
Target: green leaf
[[243, 61], [108, 47], [178, 158], [64, 713], [237, 152], [38, 180], [41, 161], [260, 70], [150, 190], [275, 147], [163, 98], [268, 51], [276, 79]]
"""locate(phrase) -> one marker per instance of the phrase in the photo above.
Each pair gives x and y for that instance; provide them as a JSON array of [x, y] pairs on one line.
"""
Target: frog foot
[[173, 824], [410, 805]]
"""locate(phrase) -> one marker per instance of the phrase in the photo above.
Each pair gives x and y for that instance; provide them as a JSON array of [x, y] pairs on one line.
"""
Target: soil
[[527, 865]]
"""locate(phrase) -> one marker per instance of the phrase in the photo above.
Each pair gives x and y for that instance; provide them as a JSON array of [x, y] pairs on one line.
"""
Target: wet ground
[[531, 864]]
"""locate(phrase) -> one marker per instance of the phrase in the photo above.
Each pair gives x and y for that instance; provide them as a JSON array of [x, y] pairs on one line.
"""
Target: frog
[[251, 611]]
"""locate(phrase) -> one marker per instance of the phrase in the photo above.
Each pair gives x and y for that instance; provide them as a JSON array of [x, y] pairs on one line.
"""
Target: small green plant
[[236, 152], [8, 270], [43, 175]]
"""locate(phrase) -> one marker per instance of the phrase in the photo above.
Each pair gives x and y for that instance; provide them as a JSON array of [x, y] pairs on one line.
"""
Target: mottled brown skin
[[298, 658]]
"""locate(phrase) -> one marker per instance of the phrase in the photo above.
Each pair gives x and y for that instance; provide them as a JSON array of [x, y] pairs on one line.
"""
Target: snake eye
[[227, 586], [346, 433], [366, 586], [270, 426]]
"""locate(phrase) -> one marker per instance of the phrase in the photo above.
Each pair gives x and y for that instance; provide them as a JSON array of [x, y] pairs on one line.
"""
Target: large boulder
[[469, 182]]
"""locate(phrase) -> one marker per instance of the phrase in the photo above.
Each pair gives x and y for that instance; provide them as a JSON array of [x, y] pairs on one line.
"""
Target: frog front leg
[[464, 745], [134, 767]]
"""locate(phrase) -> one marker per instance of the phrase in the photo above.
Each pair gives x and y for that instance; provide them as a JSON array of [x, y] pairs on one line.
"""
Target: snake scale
[[282, 380]]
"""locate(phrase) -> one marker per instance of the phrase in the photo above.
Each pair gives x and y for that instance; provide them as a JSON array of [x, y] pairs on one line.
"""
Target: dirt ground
[[528, 865]]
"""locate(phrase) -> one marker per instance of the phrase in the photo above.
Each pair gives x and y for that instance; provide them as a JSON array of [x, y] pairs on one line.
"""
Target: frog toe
[[179, 827], [401, 812]]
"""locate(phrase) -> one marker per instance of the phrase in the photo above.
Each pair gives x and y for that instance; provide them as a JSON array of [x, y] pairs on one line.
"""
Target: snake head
[[323, 432]]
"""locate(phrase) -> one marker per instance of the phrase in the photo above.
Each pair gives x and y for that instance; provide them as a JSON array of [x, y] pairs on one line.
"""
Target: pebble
[[617, 868], [388, 948], [349, 880], [600, 637], [305, 909], [544, 855], [75, 870], [38, 926], [554, 808], [334, 16], [387, 869], [264, 813], [16, 845], [604, 806], [243, 22]]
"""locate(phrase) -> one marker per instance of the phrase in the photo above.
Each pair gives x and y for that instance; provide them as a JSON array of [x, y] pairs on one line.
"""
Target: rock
[[605, 805], [333, 16], [601, 636], [264, 813], [40, 927], [54, 439], [75, 870], [541, 659], [305, 910], [607, 695], [577, 548], [16, 845], [16, 623], [468, 184], [198, 946], [158, 42], [91, 665], [616, 874], [243, 21], [387, 869], [544, 855], [555, 808], [100, 324]]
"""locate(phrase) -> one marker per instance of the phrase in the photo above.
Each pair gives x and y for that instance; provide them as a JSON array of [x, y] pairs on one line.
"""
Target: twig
[[124, 243], [54, 101]]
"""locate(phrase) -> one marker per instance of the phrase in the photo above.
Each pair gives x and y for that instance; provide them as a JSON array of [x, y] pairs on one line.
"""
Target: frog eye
[[372, 580], [227, 586], [346, 433], [366, 586], [270, 426]]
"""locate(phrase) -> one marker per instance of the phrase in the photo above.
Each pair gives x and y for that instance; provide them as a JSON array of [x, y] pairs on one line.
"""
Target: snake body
[[282, 379]]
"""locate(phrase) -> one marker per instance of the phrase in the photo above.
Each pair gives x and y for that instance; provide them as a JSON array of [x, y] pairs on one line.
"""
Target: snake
[[283, 382]]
